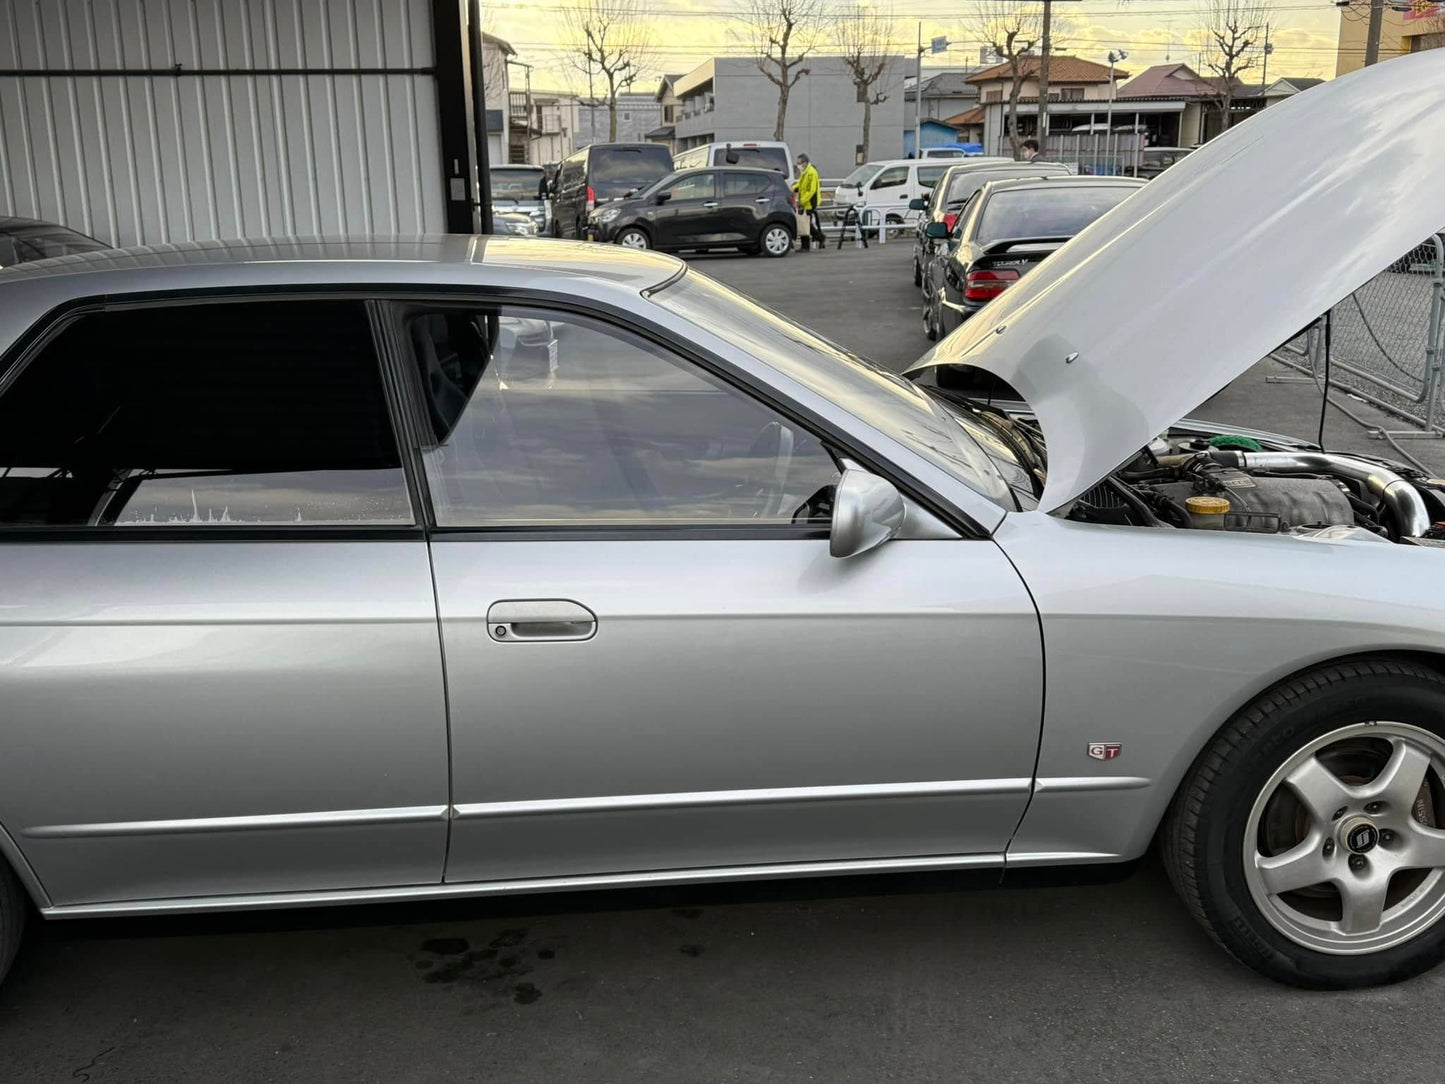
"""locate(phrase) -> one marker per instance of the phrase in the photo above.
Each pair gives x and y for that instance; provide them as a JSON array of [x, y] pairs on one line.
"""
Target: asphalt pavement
[[891, 980]]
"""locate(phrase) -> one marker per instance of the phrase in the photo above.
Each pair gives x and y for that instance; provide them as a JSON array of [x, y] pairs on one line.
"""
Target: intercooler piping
[[1399, 496]]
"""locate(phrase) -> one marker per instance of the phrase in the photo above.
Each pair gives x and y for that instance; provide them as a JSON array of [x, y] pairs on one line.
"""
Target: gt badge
[[1105, 750]]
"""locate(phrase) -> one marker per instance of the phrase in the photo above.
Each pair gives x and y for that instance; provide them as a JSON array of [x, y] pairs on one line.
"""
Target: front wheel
[[1309, 837], [917, 273], [633, 238], [776, 241]]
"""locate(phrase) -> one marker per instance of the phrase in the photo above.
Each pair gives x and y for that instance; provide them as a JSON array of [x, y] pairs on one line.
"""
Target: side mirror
[[867, 512], [662, 197], [918, 204], [937, 230]]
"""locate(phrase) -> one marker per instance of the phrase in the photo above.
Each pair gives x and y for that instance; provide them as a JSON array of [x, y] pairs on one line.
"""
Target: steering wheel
[[772, 455]]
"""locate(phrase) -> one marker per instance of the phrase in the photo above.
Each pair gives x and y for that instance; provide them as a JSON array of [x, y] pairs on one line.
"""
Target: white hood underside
[[1209, 267]]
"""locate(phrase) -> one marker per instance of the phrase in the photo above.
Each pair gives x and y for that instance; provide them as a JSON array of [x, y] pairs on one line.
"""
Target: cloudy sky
[[686, 32]]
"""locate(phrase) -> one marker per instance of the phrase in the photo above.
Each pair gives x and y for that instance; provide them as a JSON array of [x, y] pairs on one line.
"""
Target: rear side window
[[747, 184], [928, 175], [246, 414], [774, 158], [616, 170]]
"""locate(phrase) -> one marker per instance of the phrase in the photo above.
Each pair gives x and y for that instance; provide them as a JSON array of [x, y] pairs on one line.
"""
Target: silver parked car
[[329, 577]]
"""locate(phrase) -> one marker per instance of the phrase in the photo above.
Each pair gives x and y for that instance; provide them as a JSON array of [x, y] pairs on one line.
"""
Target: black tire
[[1202, 837], [917, 274], [13, 908]]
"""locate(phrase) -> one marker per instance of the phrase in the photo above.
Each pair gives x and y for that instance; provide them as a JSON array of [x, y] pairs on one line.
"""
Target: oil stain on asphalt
[[455, 961]]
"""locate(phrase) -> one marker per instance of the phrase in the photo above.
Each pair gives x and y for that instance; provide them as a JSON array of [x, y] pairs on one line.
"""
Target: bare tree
[[1012, 30], [782, 35], [610, 42], [1233, 33], [862, 38]]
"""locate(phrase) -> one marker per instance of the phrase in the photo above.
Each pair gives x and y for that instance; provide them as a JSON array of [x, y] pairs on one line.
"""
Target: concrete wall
[[825, 119]]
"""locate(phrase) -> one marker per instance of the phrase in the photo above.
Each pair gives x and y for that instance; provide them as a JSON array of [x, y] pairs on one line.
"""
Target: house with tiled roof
[[1181, 108], [1078, 96]]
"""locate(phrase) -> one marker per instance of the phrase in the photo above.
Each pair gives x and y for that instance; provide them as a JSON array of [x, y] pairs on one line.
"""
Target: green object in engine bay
[[1228, 440]]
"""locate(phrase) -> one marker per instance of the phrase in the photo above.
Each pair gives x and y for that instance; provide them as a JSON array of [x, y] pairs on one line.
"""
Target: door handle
[[763, 199], [540, 619], [710, 205]]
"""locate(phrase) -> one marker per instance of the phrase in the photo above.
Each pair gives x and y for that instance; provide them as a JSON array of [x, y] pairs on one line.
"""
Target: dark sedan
[[26, 239], [697, 209], [955, 188], [1007, 228]]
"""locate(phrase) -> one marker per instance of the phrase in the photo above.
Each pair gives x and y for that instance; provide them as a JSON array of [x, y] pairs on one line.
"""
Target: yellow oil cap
[[1206, 506]]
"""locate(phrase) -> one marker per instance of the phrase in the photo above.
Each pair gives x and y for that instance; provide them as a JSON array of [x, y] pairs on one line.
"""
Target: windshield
[[861, 176], [884, 400], [774, 158], [1050, 212], [516, 184], [616, 170]]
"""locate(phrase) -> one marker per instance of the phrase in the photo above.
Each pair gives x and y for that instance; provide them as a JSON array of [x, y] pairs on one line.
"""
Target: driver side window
[[698, 186], [541, 419]]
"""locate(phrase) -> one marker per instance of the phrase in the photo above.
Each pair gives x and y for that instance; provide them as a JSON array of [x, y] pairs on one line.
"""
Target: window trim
[[384, 295], [44, 331]]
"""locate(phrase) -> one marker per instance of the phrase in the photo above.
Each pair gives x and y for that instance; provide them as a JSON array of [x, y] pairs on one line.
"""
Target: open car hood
[[1206, 269]]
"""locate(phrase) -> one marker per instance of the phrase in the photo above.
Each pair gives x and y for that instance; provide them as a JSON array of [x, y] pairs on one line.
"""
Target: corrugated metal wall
[[146, 159]]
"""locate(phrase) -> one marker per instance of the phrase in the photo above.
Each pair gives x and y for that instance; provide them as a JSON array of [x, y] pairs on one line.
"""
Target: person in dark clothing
[[1029, 151]]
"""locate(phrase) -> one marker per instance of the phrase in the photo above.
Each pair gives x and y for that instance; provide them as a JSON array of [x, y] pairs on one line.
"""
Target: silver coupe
[[347, 571]]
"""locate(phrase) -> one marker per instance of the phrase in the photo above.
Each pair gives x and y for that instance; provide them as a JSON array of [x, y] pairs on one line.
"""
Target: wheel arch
[[11, 856], [1424, 658]]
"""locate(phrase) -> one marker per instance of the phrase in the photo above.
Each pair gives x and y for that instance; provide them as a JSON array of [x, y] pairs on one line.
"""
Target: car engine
[[1231, 483]]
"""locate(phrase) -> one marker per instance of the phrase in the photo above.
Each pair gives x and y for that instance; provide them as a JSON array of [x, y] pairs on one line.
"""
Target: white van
[[753, 153], [888, 187]]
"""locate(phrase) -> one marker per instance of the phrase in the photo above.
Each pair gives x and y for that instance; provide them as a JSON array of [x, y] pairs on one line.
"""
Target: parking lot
[[900, 979]]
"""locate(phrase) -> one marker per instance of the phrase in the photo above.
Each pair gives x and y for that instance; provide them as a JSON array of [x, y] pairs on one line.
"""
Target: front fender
[[1155, 638]]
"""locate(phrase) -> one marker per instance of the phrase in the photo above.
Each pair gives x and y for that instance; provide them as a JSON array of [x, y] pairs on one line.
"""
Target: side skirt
[[648, 879]]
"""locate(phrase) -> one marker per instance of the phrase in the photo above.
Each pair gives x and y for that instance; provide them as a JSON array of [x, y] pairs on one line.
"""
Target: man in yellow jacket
[[808, 190]]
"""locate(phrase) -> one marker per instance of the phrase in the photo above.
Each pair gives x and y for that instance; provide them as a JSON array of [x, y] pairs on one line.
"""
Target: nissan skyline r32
[[356, 571]]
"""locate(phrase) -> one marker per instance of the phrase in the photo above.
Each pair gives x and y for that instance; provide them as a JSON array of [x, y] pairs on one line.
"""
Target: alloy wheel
[[777, 241], [1344, 852], [633, 239]]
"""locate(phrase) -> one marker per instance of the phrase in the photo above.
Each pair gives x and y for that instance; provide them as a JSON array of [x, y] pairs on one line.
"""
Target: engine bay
[[1232, 483]]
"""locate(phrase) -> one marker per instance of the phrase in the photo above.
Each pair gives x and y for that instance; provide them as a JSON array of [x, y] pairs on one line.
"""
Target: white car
[[889, 187]]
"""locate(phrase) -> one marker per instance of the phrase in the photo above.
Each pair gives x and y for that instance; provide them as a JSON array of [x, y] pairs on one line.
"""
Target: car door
[[219, 661], [891, 191], [746, 203], [691, 215], [653, 662]]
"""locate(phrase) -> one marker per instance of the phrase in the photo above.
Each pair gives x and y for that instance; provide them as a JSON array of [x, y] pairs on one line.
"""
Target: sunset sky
[[687, 32]]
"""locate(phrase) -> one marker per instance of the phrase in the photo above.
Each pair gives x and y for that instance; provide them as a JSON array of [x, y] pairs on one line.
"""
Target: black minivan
[[600, 173], [700, 209]]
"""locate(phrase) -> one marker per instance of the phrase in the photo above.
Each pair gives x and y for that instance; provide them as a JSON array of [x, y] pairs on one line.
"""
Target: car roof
[[29, 290]]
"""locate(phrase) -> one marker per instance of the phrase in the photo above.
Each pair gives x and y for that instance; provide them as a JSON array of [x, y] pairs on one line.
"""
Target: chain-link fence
[[1386, 343]]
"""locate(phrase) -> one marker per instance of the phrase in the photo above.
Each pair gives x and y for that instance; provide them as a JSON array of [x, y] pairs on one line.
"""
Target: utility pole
[[1372, 43], [1264, 70], [1116, 56], [1046, 48], [918, 100]]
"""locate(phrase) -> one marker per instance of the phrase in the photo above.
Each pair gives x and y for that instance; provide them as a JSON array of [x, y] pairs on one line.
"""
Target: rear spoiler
[[993, 248]]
